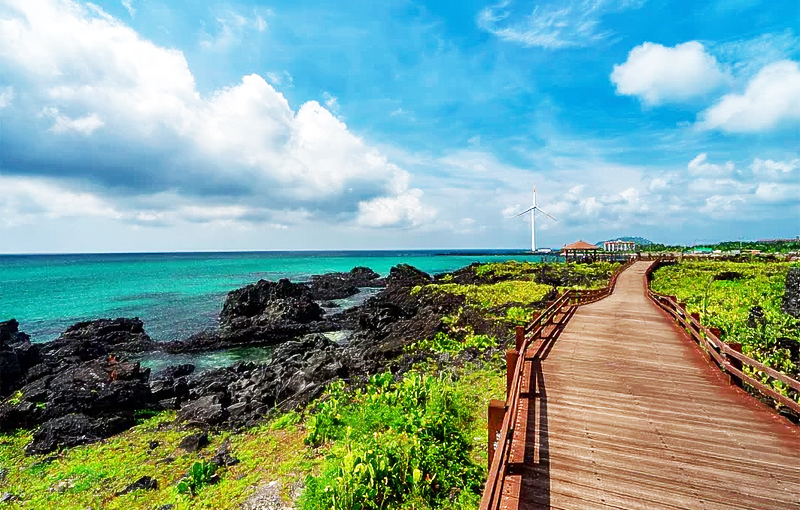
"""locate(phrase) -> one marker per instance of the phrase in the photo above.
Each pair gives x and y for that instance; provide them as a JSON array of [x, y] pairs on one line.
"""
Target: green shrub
[[200, 475], [444, 343], [401, 442]]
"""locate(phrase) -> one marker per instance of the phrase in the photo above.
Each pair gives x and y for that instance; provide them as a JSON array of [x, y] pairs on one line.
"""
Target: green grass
[[89, 476], [496, 294]]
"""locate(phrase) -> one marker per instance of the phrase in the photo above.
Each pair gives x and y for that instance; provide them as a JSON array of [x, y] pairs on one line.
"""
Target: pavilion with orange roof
[[580, 250]]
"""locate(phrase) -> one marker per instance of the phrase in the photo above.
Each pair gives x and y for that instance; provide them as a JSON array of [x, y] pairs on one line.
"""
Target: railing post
[[716, 332], [737, 364], [497, 408], [519, 333], [511, 365]]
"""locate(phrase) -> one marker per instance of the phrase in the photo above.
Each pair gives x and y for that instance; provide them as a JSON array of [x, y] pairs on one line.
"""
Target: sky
[[153, 126]]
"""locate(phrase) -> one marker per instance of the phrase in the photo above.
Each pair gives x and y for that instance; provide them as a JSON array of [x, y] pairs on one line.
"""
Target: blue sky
[[140, 125]]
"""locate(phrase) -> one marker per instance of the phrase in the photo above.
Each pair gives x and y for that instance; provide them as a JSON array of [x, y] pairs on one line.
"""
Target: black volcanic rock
[[81, 389], [791, 294], [263, 313], [17, 356], [76, 429], [92, 339], [101, 387], [269, 300], [342, 285]]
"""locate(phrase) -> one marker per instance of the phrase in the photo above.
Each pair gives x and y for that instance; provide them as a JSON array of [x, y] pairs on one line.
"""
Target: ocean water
[[178, 294]]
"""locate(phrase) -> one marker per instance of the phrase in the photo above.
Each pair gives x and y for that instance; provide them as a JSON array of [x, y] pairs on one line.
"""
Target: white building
[[619, 245]]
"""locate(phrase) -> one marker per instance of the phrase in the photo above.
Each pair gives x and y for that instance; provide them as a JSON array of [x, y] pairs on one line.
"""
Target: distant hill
[[640, 241]]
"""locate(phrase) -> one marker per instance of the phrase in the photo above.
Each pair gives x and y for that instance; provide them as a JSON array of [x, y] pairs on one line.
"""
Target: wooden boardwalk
[[624, 412]]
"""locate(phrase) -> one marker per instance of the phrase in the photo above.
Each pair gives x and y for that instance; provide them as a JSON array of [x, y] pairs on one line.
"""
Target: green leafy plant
[[15, 398], [401, 441], [200, 475], [518, 316]]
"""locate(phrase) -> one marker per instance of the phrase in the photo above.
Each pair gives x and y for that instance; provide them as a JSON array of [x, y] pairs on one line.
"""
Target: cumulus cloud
[[551, 24], [771, 99], [403, 210], [700, 166], [659, 74], [144, 129]]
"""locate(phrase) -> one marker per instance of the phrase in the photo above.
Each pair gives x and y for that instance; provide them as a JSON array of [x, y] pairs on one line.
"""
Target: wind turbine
[[533, 210]]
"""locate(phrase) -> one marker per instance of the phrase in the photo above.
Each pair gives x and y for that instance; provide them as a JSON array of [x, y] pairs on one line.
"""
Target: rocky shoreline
[[82, 388]]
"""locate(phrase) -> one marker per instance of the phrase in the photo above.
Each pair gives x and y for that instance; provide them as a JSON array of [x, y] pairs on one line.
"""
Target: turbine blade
[[525, 211], [546, 214]]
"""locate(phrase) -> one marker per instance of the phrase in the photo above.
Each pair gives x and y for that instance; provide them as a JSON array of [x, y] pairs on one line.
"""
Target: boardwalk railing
[[504, 419], [727, 356]]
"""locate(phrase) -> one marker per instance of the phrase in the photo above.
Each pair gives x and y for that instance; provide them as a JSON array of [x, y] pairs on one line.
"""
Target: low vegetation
[[743, 300], [419, 440], [409, 443]]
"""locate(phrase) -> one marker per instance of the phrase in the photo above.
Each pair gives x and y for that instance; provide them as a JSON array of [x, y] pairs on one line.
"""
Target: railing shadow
[[535, 471]]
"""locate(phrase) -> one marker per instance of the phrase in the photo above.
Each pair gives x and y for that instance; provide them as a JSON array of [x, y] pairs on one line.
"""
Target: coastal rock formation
[[79, 388], [100, 387], [239, 395], [268, 312], [76, 429], [342, 285], [72, 386], [17, 356], [92, 339]]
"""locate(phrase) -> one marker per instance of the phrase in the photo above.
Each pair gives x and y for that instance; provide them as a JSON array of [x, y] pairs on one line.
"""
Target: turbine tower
[[533, 210]]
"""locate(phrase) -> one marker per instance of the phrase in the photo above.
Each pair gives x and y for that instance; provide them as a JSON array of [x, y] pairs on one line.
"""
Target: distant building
[[619, 245]]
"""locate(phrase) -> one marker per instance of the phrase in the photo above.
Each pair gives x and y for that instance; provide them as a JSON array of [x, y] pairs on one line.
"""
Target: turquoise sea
[[177, 294]]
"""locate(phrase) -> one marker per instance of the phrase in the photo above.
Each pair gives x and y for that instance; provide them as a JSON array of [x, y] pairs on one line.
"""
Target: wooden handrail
[[493, 490], [720, 352]]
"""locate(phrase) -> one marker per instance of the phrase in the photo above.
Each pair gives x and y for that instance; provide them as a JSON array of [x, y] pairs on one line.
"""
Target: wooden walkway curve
[[624, 412]]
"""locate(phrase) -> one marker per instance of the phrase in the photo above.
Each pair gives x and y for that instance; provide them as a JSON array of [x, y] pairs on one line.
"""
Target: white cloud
[[775, 170], [241, 145], [128, 4], [23, 199], [658, 74], [278, 79], [231, 30], [746, 57], [771, 99], [700, 166], [6, 96], [260, 23], [405, 210], [331, 102], [555, 24], [85, 125]]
